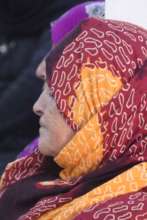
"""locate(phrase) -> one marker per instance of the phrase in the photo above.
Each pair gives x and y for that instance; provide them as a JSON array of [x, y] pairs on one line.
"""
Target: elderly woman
[[91, 162], [59, 29]]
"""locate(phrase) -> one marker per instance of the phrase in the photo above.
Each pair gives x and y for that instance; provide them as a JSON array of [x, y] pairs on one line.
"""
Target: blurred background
[[26, 35]]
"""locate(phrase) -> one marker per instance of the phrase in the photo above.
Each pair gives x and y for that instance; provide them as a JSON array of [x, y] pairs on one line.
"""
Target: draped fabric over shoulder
[[98, 78]]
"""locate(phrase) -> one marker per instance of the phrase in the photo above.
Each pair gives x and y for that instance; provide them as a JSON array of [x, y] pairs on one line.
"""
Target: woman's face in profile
[[54, 133]]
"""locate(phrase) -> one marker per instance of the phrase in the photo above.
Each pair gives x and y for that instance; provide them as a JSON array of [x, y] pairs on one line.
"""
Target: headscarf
[[92, 80], [97, 76]]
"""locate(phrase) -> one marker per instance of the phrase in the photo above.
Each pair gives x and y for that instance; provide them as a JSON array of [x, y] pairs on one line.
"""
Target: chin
[[44, 148]]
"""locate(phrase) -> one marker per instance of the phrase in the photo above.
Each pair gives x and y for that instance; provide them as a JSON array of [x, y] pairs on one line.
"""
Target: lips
[[41, 124]]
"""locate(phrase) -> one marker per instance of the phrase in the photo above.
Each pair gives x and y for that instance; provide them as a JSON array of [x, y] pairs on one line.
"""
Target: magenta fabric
[[68, 21], [29, 149]]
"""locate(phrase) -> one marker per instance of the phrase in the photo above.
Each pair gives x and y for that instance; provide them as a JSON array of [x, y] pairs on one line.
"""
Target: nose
[[41, 71], [37, 108]]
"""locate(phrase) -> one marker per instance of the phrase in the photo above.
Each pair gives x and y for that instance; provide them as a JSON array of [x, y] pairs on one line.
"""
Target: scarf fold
[[98, 79]]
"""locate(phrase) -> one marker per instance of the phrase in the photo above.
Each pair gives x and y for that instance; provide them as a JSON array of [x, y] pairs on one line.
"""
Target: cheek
[[54, 122], [57, 127], [55, 134]]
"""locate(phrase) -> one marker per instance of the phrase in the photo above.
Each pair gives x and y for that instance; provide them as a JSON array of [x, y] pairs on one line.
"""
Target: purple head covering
[[29, 149], [69, 20]]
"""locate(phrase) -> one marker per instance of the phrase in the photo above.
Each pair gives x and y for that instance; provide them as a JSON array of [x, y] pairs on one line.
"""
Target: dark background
[[24, 41]]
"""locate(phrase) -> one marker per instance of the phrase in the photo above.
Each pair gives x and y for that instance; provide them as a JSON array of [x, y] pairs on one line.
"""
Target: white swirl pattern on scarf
[[114, 49], [133, 208], [106, 47]]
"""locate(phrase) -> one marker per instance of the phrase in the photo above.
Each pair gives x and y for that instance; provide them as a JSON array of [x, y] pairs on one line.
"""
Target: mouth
[[41, 124], [41, 130]]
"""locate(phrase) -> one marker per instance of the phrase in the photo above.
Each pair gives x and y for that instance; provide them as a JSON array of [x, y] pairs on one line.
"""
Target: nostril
[[36, 109], [39, 113]]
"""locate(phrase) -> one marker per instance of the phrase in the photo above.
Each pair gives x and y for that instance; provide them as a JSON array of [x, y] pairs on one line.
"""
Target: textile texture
[[98, 78], [70, 19]]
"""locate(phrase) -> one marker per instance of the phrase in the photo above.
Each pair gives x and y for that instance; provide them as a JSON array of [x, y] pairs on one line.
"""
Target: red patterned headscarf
[[98, 77]]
